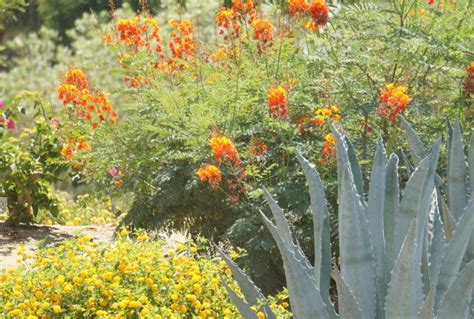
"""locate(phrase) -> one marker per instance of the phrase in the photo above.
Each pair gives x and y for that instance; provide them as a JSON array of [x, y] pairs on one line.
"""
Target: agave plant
[[405, 256]]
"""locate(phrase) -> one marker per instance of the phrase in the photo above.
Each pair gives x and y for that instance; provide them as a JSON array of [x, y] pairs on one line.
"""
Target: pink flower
[[55, 122], [11, 125], [2, 105], [114, 171], [3, 119]]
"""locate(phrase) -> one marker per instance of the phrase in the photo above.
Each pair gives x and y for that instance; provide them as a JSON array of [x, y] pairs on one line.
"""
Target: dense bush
[[30, 159], [80, 278]]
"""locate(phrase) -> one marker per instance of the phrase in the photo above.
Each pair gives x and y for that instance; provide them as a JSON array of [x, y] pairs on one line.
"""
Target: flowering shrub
[[30, 160], [128, 279]]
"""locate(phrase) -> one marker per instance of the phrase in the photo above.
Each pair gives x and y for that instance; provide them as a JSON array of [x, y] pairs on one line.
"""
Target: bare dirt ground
[[11, 238]]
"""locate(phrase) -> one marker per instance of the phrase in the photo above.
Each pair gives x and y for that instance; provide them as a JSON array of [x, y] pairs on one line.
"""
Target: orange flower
[[77, 78], [223, 149], [74, 145], [88, 105], [263, 30], [297, 7], [278, 102], [394, 99], [210, 173], [469, 80], [182, 44], [67, 152], [319, 12], [68, 93], [329, 143], [140, 34]]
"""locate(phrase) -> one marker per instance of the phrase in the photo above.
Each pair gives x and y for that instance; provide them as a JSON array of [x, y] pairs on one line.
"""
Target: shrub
[[30, 160], [124, 279]]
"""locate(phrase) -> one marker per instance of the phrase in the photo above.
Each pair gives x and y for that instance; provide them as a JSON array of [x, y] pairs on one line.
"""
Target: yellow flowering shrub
[[127, 278]]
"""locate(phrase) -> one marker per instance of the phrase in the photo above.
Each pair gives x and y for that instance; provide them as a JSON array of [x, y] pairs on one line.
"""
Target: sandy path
[[13, 238]]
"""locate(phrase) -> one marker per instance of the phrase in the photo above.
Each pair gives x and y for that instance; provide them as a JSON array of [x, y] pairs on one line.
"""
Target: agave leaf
[[391, 210], [457, 191], [242, 306], [404, 293], [448, 220], [375, 211], [417, 148], [426, 311], [455, 251], [471, 164], [436, 246], [356, 171], [416, 200], [408, 164], [348, 307], [321, 228], [251, 292], [454, 303], [470, 247], [356, 252], [305, 297], [342, 157]]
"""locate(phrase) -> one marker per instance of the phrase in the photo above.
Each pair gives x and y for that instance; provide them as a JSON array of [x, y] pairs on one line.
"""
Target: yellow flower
[[123, 232], [57, 309], [261, 315], [101, 313], [134, 304]]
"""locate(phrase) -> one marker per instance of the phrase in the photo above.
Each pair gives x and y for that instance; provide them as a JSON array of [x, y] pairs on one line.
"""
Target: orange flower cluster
[[328, 150], [223, 149], [93, 107], [469, 81], [317, 10], [322, 115], [74, 145], [182, 44], [211, 173], [224, 20], [263, 32], [77, 78], [142, 32], [229, 20], [139, 33], [394, 99], [297, 7], [278, 102]]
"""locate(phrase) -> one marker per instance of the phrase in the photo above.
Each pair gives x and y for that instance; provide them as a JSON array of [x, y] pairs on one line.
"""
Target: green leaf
[[417, 148], [416, 200], [252, 293], [305, 297], [375, 215], [356, 252], [457, 191], [404, 294], [242, 306], [348, 307], [321, 228], [455, 251], [391, 210], [356, 171], [454, 303]]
